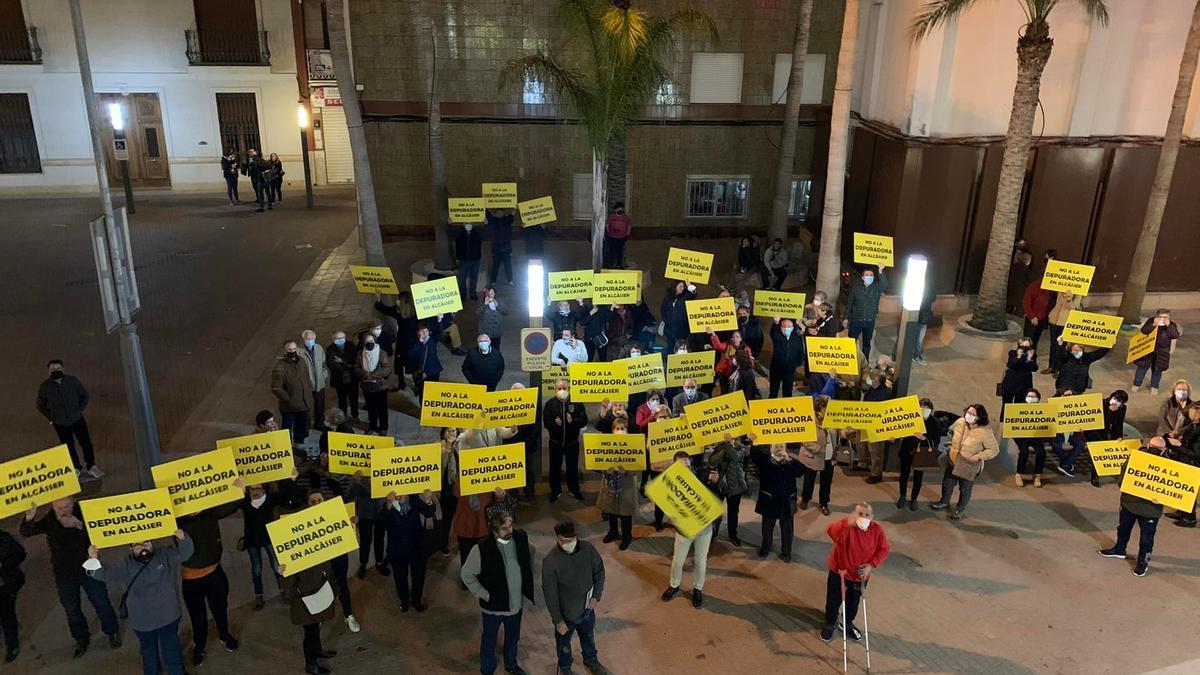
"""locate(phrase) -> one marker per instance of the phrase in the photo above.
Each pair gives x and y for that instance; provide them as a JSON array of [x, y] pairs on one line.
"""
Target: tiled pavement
[[1015, 588]]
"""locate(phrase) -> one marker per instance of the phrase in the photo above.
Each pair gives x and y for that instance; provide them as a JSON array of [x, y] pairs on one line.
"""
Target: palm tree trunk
[[617, 169], [599, 207], [1033, 51], [777, 228], [829, 266], [368, 213], [443, 258], [1143, 254]]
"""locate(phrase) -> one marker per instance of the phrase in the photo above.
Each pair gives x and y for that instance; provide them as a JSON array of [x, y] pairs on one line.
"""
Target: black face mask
[[293, 357], [370, 346], [144, 556], [57, 375]]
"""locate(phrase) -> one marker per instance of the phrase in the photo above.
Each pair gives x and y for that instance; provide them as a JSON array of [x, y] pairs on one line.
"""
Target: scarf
[[614, 480], [370, 359]]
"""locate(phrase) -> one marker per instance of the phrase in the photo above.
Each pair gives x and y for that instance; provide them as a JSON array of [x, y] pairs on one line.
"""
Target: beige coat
[[970, 447], [1066, 303]]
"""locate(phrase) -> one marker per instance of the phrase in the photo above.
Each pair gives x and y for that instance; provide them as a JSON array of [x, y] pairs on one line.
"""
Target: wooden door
[[151, 146]]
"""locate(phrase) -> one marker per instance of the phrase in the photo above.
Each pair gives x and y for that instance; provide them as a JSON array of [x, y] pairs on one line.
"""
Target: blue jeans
[[587, 640], [297, 423], [256, 565], [919, 341], [1140, 374], [161, 642], [487, 641], [1067, 459], [262, 193], [468, 276], [97, 594], [866, 329], [231, 187], [1146, 529]]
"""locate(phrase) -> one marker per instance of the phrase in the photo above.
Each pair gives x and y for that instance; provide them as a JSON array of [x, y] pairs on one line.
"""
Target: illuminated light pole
[[911, 296], [535, 285], [116, 115], [302, 120]]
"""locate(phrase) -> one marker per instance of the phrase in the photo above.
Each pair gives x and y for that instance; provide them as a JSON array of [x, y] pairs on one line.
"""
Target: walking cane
[[866, 626], [845, 658]]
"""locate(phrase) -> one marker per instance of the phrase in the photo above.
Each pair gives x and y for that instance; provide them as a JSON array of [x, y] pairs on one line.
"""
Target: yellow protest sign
[[1109, 456], [710, 420], [500, 195], [623, 288], [669, 436], [688, 265], [408, 470], [682, 496], [573, 285], [199, 482], [851, 415], [594, 382], [349, 453], [1029, 420], [1088, 328], [1078, 413], [510, 407], [610, 451], [262, 458], [825, 354], [697, 365], [439, 296], [1141, 344], [645, 373], [550, 376], [129, 518], [369, 279], [1070, 277], [450, 404], [38, 478], [873, 249], [717, 314], [312, 536], [467, 209], [485, 469], [783, 420], [778, 303], [899, 418], [1170, 483], [537, 211]]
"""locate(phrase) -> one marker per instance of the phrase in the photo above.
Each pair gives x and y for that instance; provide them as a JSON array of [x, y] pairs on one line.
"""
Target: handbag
[[925, 456], [601, 340]]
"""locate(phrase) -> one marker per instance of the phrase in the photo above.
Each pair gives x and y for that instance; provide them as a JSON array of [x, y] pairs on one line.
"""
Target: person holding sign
[[259, 507], [701, 542], [862, 306], [1075, 371], [484, 366], [1159, 360], [499, 572], [490, 314], [971, 444], [1057, 320], [1031, 444], [859, 548], [205, 586], [725, 356], [150, 575], [1144, 512], [563, 421], [1187, 450], [1114, 426], [674, 312], [407, 519], [423, 362], [777, 474], [691, 394]]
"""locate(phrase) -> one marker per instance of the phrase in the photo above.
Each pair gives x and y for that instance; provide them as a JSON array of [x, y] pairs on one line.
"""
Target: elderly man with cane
[[859, 548]]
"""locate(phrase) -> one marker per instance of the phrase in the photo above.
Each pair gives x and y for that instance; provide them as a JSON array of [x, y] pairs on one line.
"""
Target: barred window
[[18, 140], [717, 196], [798, 206]]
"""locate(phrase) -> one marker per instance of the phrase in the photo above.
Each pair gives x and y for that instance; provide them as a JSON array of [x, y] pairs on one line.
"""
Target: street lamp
[[911, 297], [535, 298], [302, 120], [116, 116], [536, 285]]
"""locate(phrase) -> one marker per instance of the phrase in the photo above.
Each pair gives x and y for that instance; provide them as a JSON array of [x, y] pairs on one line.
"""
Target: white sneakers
[[352, 624], [95, 472]]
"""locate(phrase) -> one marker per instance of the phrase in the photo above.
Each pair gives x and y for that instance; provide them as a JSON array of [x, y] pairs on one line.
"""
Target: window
[[533, 91], [717, 196], [798, 205], [18, 142], [237, 116], [226, 33], [668, 94], [716, 78], [18, 41], [581, 197], [814, 78]]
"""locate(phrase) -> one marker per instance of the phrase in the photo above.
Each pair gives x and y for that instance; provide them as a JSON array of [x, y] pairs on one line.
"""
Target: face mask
[[563, 312], [308, 344], [502, 540], [293, 357], [376, 332], [925, 413], [787, 332], [144, 556], [971, 419], [864, 523], [689, 392], [1115, 403], [1181, 394], [681, 350], [1078, 355], [867, 281], [258, 501], [339, 341], [1026, 346], [492, 304], [653, 405], [468, 228], [424, 339], [776, 246], [369, 346], [634, 355], [1031, 399], [485, 347], [562, 394], [569, 547], [57, 375]]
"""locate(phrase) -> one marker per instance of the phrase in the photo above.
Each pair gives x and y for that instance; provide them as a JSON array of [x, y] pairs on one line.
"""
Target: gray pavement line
[[203, 422]]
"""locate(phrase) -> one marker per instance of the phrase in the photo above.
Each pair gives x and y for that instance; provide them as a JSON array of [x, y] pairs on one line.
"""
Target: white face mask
[[562, 394], [1114, 402], [681, 350], [652, 405], [864, 523], [634, 355], [690, 392], [256, 502], [501, 540], [569, 547], [376, 331], [1031, 399], [1181, 394], [925, 413], [485, 347], [970, 418], [468, 227]]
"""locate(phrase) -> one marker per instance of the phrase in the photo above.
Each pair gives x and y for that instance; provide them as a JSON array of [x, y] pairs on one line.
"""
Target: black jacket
[[535, 236], [491, 571], [752, 334], [404, 531], [776, 484], [277, 166], [485, 369], [566, 434], [468, 246], [254, 520], [933, 436], [12, 554], [558, 322], [62, 402], [204, 529], [749, 258], [1074, 372], [254, 168], [501, 228], [68, 546], [406, 327], [1018, 376], [229, 167], [341, 361], [594, 324], [674, 314], [788, 352], [747, 384]]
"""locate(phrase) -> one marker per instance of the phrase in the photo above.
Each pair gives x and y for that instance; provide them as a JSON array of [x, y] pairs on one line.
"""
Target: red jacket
[[1036, 301], [853, 547], [617, 226], [726, 366]]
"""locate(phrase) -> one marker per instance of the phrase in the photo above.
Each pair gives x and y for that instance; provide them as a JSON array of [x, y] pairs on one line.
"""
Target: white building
[[193, 77]]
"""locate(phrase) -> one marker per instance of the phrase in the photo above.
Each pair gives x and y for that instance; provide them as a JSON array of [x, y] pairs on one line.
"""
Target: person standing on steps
[[1145, 512], [572, 583], [61, 399], [499, 572], [862, 306], [860, 547], [1060, 309]]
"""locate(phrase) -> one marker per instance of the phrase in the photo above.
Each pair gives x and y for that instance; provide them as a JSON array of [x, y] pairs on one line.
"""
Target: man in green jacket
[[1145, 512]]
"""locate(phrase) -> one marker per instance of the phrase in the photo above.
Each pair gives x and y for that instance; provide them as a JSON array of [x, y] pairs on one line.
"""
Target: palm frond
[[1096, 9], [935, 14], [626, 28], [584, 14], [566, 82], [694, 19]]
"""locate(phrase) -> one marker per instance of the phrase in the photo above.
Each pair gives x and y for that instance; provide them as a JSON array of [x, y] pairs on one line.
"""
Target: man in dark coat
[[340, 358], [62, 399], [468, 249], [563, 421], [1159, 360], [291, 385], [484, 365], [777, 474], [787, 355], [255, 167]]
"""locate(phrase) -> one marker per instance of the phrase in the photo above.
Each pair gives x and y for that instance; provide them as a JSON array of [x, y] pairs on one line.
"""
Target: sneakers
[[1141, 569], [697, 598], [1068, 471], [670, 593], [1154, 391], [824, 509], [938, 506], [1111, 553], [352, 624], [95, 472], [1136, 388], [594, 665], [827, 632], [853, 633], [578, 496], [1020, 482], [229, 642], [1037, 481], [1185, 522]]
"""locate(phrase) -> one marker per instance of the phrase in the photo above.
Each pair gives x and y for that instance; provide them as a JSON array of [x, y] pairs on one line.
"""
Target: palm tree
[[1033, 51], [368, 213], [1143, 254], [791, 126], [829, 265], [626, 49]]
